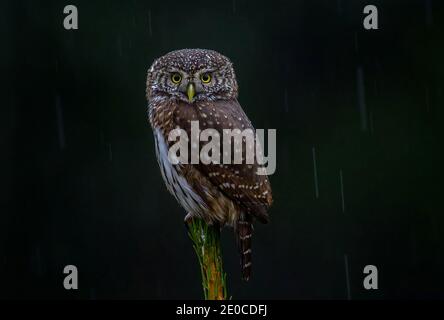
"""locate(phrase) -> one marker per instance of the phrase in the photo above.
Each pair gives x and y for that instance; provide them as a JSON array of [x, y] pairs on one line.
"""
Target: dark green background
[[81, 184]]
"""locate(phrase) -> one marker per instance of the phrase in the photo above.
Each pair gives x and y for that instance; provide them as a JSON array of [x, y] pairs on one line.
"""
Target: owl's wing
[[239, 182]]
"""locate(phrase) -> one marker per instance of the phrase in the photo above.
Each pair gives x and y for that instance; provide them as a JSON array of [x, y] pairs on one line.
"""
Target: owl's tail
[[244, 233]]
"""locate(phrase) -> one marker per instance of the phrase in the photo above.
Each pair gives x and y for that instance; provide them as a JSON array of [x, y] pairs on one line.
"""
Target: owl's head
[[192, 75]]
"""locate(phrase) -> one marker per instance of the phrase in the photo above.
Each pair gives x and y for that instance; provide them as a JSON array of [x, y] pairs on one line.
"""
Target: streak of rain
[[315, 171], [375, 88], [427, 99], [428, 12], [347, 276], [60, 124], [356, 42], [361, 97], [150, 29], [286, 99], [110, 152], [36, 261], [370, 121], [234, 6], [12, 112], [339, 6], [92, 294], [341, 180], [119, 46]]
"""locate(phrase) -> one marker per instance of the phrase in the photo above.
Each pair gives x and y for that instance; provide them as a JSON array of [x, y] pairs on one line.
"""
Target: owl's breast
[[175, 180], [194, 192]]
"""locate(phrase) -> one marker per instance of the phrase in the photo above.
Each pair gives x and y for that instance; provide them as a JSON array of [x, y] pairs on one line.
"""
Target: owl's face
[[192, 75]]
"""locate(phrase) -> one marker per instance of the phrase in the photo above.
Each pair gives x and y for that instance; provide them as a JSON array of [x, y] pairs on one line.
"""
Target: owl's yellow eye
[[205, 78], [176, 78]]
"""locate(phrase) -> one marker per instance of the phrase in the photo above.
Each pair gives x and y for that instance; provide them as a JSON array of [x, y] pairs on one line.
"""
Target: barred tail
[[244, 234]]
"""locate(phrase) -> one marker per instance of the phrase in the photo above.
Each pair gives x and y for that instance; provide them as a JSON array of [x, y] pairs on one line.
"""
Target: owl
[[200, 85]]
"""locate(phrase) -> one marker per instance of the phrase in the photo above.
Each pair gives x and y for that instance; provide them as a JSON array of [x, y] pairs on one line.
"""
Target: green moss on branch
[[206, 243]]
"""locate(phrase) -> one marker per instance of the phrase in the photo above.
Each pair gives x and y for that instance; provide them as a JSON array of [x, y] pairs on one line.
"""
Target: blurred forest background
[[358, 115]]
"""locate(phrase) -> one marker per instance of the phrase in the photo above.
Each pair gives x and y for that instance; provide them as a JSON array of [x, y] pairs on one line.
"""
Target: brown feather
[[250, 191]]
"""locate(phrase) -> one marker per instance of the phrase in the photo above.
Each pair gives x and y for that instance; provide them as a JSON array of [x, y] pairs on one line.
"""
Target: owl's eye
[[205, 78], [176, 78]]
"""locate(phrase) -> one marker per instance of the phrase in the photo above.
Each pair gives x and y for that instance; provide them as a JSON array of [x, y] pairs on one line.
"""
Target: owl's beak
[[191, 91]]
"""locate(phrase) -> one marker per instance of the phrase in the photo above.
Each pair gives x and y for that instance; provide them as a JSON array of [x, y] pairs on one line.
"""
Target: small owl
[[200, 85]]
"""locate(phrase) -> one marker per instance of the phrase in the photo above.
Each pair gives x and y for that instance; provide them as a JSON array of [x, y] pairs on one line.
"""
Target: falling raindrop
[[370, 121], [347, 276], [110, 152], [428, 12], [234, 6], [361, 97], [119, 46], [341, 180], [339, 6], [101, 137], [60, 124], [375, 88], [356, 42], [286, 99], [149, 23], [13, 112], [315, 173], [92, 294], [427, 98], [36, 261]]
